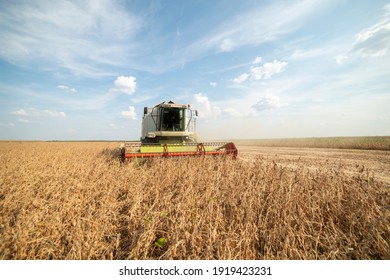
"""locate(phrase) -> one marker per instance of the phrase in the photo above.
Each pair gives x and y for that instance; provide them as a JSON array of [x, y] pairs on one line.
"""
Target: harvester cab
[[168, 123], [169, 130]]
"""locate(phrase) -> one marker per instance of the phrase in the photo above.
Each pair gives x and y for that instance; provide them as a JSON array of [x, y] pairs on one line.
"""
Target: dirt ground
[[376, 163]]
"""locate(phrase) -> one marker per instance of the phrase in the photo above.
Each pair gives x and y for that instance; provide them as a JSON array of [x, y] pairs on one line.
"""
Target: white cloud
[[202, 101], [79, 36], [205, 108], [257, 26], [268, 102], [213, 84], [66, 89], [126, 85], [387, 9], [24, 121], [51, 113], [375, 40], [130, 113], [226, 45], [266, 71], [340, 59], [309, 53], [32, 112], [241, 78], [7, 124], [20, 112], [257, 60]]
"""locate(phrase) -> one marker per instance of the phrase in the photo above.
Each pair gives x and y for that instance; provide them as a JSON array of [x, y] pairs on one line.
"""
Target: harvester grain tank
[[169, 130]]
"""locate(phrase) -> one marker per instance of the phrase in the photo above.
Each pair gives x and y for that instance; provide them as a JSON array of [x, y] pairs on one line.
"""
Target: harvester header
[[169, 130]]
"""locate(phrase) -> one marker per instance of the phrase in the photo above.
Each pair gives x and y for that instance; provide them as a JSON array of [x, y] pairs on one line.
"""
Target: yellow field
[[361, 143], [75, 201]]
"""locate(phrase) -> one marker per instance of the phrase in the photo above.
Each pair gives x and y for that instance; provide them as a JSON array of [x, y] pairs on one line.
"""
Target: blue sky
[[80, 70]]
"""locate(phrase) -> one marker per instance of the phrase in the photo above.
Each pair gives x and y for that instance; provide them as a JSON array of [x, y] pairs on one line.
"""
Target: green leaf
[[161, 242]]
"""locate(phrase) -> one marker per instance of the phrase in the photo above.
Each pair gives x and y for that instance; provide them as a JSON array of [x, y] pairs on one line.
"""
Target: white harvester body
[[169, 130], [169, 122]]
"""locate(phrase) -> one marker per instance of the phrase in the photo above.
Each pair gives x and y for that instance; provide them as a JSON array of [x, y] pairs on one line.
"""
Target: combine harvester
[[168, 130]]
